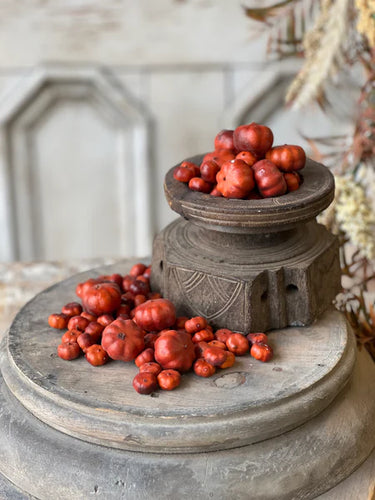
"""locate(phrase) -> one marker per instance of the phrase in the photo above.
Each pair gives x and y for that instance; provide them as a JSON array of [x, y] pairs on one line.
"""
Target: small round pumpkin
[[145, 382], [155, 315], [224, 139], [253, 137], [169, 379], [238, 344], [151, 367], [96, 355], [292, 180], [269, 180], [209, 169], [68, 350], [287, 158], [102, 298], [58, 320], [261, 352], [145, 356], [235, 179], [123, 339], [215, 356], [203, 369], [174, 350]]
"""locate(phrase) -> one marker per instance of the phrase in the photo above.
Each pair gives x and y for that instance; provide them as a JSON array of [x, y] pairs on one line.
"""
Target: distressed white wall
[[191, 67]]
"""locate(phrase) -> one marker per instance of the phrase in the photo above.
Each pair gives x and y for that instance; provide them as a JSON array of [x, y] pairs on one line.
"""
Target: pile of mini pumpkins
[[120, 318], [244, 165]]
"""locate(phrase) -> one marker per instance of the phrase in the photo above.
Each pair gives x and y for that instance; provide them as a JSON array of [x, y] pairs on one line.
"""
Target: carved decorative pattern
[[220, 293]]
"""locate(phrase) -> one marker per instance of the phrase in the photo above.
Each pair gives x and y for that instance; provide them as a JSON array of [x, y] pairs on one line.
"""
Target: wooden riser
[[295, 426]]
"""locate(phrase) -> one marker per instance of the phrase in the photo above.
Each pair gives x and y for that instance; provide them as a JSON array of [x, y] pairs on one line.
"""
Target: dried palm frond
[[286, 22]]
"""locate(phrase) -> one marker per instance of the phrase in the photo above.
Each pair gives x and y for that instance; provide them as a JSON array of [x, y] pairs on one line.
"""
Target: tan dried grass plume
[[323, 46], [366, 19]]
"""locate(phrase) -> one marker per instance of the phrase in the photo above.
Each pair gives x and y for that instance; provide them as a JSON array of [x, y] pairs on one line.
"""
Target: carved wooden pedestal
[[290, 428], [252, 265]]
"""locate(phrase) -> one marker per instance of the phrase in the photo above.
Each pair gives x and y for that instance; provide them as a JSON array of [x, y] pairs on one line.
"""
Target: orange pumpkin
[[123, 339], [235, 179], [169, 379], [253, 137], [155, 315], [203, 369], [288, 157], [174, 350], [224, 139], [101, 298], [269, 180], [292, 180], [261, 352]]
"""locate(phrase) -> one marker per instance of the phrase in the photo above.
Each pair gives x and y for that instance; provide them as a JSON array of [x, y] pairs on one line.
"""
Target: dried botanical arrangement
[[336, 39]]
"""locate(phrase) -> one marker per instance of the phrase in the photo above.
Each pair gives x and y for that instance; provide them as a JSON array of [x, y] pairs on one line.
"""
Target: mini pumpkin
[[174, 350], [235, 179], [253, 137], [123, 339], [155, 315], [269, 180], [287, 158], [102, 298]]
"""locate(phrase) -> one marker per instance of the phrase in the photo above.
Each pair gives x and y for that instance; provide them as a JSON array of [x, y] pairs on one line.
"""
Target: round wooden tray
[[253, 216], [250, 402], [296, 426]]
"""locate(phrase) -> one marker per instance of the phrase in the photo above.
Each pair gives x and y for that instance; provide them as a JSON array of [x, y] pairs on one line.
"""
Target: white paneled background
[[99, 99]]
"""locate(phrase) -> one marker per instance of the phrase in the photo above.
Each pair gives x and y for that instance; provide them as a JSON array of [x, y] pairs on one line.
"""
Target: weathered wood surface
[[254, 265], [266, 215], [299, 464], [247, 403]]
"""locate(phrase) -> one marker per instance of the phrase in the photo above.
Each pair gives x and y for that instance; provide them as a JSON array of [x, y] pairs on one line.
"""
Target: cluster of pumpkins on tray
[[120, 318], [245, 165]]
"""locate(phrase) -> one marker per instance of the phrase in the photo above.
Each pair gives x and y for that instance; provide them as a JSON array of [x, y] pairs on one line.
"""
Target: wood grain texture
[[250, 265], [299, 464], [250, 402], [253, 216]]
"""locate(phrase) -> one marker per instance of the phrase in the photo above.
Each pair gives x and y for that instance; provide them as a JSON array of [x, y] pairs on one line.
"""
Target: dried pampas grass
[[366, 19], [324, 52]]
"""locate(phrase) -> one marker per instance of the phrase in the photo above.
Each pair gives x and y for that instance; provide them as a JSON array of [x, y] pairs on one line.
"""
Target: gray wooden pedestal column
[[291, 428]]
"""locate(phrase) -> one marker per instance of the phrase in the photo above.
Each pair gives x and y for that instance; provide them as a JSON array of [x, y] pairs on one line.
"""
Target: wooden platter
[[250, 402], [295, 426]]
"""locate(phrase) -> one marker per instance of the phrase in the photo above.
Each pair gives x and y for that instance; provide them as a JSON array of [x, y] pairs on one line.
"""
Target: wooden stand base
[[291, 428]]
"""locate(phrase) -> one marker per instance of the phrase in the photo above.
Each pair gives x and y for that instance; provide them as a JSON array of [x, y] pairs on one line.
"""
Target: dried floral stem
[[342, 35], [323, 52], [366, 19]]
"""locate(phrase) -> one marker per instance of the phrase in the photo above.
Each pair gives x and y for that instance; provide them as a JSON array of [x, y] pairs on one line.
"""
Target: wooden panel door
[[75, 167]]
